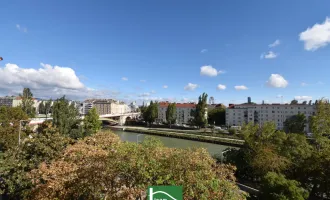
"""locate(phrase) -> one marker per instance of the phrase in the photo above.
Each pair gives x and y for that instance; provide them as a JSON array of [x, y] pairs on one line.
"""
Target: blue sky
[[93, 46]]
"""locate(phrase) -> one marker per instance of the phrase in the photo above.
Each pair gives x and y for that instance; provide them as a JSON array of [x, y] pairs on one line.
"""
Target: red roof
[[178, 105]]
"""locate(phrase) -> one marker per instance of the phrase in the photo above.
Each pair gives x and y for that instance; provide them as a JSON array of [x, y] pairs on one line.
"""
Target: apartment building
[[183, 112], [237, 115], [104, 106], [6, 101]]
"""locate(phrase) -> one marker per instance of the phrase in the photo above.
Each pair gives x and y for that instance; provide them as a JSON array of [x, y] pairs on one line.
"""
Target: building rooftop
[[178, 105]]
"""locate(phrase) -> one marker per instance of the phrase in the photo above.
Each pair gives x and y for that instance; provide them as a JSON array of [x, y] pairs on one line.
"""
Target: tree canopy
[[91, 121], [171, 113], [200, 113], [101, 166], [295, 123], [217, 116], [27, 102]]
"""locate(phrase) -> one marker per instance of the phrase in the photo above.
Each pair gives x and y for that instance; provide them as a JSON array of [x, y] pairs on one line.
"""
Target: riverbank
[[187, 136]]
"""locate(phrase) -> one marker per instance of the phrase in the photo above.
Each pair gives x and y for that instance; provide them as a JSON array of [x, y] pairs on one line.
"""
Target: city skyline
[[167, 52]]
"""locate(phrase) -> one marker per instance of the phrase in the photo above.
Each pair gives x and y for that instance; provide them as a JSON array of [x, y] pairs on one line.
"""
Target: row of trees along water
[[215, 117], [69, 158]]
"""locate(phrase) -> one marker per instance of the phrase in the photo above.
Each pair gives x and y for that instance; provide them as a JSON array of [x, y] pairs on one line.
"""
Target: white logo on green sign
[[165, 193]]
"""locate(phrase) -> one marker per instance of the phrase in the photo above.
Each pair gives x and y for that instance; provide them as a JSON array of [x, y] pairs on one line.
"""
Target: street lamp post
[[137, 138]]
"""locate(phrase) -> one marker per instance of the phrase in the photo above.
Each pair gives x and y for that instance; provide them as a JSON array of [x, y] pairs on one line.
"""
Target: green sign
[[165, 193]]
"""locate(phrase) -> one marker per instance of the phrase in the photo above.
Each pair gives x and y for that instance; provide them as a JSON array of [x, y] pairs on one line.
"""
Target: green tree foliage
[[294, 102], [150, 113], [92, 124], [27, 102], [9, 126], [290, 155], [65, 117], [17, 163], [48, 108], [232, 131], [217, 116], [200, 117], [103, 167], [295, 123], [171, 113], [42, 108], [276, 187]]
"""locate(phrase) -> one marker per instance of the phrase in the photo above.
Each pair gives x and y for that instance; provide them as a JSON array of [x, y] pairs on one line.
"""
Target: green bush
[[232, 131]]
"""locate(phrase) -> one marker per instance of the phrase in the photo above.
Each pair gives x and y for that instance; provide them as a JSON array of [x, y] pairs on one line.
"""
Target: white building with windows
[[237, 115], [183, 112]]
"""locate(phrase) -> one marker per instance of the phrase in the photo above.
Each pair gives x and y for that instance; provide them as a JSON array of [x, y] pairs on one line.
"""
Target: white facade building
[[104, 106], [183, 112], [237, 115]]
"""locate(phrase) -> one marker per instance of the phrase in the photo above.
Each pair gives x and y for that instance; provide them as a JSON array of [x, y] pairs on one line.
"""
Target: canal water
[[172, 142]]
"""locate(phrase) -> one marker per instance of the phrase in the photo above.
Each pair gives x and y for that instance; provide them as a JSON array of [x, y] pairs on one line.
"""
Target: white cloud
[[47, 76], [303, 84], [165, 86], [303, 98], [277, 81], [208, 70], [279, 96], [124, 79], [316, 37], [204, 50], [146, 94], [47, 82], [274, 44], [153, 91], [240, 87], [20, 28], [269, 55], [221, 87], [143, 81], [190, 86]]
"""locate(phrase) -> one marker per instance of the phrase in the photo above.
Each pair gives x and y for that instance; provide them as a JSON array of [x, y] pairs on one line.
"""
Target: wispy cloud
[[204, 50], [165, 86], [241, 87], [20, 28], [190, 86], [124, 79], [303, 84], [303, 98], [275, 43], [221, 87], [269, 55]]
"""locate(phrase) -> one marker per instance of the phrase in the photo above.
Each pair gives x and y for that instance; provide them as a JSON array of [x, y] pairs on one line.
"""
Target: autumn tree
[[17, 163], [171, 113], [27, 102], [101, 166]]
